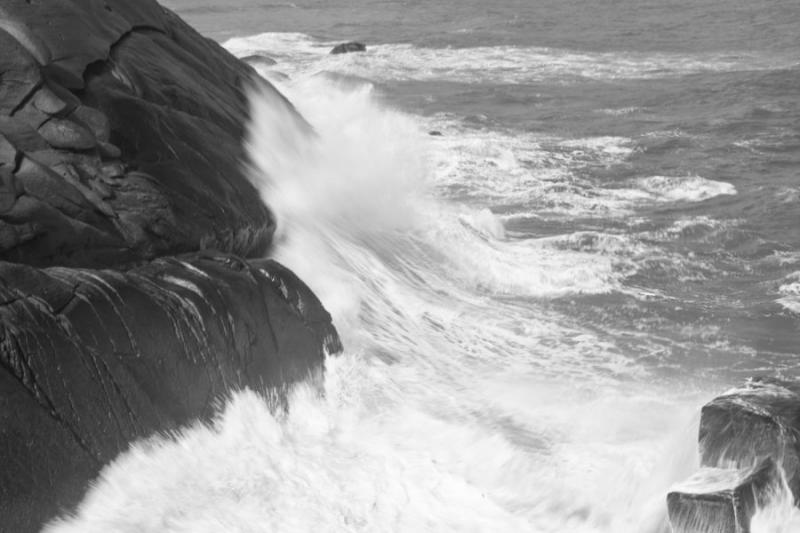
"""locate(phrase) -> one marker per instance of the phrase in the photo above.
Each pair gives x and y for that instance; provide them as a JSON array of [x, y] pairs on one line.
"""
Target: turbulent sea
[[535, 303]]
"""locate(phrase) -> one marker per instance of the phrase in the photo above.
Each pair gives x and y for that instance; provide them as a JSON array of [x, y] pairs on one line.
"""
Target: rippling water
[[534, 303]]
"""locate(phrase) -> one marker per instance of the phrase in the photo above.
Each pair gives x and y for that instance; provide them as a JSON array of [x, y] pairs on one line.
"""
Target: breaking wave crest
[[462, 402]]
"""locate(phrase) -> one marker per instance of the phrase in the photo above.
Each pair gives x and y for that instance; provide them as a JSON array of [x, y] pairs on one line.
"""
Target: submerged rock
[[258, 60], [719, 500], [346, 48]]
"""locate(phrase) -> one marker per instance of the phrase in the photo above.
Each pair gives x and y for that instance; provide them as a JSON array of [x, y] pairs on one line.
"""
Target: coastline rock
[[125, 308], [93, 82], [744, 425], [749, 441], [94, 359], [720, 500], [349, 47]]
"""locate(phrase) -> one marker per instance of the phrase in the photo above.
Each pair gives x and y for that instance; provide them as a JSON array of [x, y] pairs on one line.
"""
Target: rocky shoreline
[[749, 446], [133, 291]]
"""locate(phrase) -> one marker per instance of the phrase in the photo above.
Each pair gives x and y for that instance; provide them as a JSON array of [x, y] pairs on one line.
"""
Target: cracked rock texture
[[746, 437], [120, 137], [97, 358], [125, 308]]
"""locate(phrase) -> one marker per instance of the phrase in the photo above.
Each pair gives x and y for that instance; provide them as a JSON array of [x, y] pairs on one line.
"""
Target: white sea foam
[[536, 175], [461, 403], [507, 64], [684, 189], [790, 293], [367, 457]]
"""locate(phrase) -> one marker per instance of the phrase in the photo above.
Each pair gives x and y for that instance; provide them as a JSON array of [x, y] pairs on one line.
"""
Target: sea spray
[[455, 407]]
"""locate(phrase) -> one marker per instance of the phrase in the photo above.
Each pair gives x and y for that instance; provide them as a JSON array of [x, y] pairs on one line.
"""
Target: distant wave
[[499, 64], [790, 293]]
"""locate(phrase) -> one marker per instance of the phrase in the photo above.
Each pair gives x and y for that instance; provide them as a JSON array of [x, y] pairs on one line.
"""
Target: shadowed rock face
[[93, 359], [120, 137], [124, 208]]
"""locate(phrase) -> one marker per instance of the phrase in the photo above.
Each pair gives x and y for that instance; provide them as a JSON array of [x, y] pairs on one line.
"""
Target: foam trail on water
[[461, 403], [507, 64]]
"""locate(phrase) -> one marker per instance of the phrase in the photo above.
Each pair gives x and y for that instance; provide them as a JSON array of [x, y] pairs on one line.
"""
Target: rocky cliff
[[125, 305]]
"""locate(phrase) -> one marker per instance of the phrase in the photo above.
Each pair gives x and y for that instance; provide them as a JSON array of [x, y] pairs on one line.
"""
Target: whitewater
[[499, 371]]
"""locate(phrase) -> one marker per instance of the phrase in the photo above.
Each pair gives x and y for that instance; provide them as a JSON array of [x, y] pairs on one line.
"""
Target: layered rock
[[120, 137], [125, 308], [744, 425], [720, 500], [749, 441]]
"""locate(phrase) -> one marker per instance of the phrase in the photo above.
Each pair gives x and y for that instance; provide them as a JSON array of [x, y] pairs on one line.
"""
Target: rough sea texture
[[535, 303]]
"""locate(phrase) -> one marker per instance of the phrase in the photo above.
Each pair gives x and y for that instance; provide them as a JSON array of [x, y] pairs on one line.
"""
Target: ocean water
[[534, 303]]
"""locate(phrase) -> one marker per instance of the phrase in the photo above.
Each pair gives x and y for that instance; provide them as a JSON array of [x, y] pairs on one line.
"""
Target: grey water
[[712, 92], [602, 234]]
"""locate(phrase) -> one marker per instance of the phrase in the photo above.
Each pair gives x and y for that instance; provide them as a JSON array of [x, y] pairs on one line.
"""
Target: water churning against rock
[[524, 310]]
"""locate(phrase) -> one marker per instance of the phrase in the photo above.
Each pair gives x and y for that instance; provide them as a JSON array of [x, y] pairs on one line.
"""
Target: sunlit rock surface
[[125, 308]]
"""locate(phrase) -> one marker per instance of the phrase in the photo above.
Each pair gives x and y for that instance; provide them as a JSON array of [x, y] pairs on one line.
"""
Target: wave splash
[[461, 403]]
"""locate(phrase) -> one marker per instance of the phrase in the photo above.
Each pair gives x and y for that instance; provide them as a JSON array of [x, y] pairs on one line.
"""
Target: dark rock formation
[[761, 419], [93, 359], [720, 500], [345, 48], [120, 137], [120, 147], [757, 424]]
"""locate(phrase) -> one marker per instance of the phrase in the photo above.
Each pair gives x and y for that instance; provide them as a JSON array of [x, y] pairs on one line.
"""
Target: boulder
[[346, 48], [755, 424], [721, 500], [746, 424], [94, 359], [259, 60], [93, 83]]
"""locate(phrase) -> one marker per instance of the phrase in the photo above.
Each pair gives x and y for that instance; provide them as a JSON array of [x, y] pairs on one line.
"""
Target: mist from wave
[[473, 394], [453, 408]]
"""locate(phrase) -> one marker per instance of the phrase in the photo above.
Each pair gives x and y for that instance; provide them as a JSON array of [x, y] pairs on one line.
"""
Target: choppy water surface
[[534, 303]]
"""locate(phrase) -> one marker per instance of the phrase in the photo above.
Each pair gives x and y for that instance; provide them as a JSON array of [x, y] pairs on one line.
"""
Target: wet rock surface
[[720, 500], [746, 424], [120, 137], [346, 48], [749, 442], [126, 308], [93, 359]]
